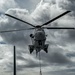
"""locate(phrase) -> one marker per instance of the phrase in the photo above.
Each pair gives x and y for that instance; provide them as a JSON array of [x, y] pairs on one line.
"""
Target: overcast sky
[[61, 52]]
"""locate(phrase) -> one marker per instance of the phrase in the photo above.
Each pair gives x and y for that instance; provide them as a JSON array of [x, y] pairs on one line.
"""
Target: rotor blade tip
[[6, 14], [68, 11]]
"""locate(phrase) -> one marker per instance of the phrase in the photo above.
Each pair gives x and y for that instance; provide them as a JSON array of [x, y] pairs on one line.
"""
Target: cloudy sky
[[61, 52]]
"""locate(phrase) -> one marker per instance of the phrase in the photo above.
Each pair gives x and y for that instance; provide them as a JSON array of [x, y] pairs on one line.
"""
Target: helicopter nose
[[39, 35]]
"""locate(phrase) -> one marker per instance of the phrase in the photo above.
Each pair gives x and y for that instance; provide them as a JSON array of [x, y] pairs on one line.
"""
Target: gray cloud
[[5, 5], [43, 12], [65, 71], [55, 55], [71, 35], [72, 54], [68, 5], [30, 4]]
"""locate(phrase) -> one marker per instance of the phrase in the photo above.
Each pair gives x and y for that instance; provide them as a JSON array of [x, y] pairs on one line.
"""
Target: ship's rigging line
[[40, 64]]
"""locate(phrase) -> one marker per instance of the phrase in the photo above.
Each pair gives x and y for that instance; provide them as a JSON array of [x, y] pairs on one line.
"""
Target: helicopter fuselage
[[39, 38], [38, 41]]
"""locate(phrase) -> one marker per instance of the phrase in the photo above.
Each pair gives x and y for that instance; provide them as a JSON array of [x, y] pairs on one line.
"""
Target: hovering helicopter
[[39, 36]]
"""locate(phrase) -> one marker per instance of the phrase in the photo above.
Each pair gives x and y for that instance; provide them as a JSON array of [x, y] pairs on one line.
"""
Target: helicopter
[[39, 36]]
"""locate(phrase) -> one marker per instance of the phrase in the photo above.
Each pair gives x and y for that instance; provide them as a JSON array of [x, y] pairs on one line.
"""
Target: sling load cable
[[40, 64]]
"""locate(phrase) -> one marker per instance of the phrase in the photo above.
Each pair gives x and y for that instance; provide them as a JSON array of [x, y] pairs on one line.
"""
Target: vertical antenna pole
[[14, 60]]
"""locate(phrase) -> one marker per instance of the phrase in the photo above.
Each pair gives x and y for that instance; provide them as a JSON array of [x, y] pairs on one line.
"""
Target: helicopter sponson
[[38, 41]]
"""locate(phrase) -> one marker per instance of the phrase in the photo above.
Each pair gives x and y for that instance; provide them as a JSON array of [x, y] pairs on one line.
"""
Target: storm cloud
[[61, 42]]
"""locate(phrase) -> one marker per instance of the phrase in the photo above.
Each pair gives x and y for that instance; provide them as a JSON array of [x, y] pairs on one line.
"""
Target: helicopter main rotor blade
[[59, 28], [55, 18], [15, 30], [20, 20]]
